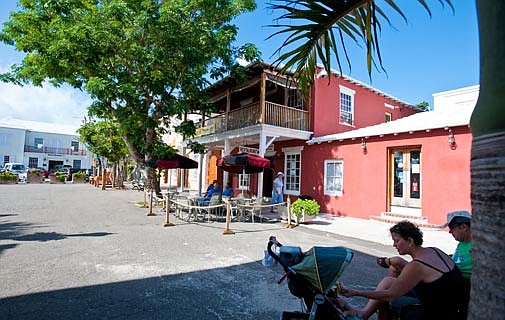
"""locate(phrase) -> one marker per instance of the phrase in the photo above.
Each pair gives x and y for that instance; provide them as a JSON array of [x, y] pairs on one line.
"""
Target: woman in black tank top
[[436, 279], [447, 293]]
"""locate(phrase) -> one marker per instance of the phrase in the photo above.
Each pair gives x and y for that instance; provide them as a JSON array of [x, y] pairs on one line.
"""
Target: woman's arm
[[392, 288]]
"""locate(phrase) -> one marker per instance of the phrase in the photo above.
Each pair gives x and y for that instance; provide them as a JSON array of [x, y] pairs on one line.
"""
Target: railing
[[44, 149], [249, 115]]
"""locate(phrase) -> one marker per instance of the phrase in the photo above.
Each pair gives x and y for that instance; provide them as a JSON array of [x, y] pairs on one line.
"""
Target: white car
[[16, 168]]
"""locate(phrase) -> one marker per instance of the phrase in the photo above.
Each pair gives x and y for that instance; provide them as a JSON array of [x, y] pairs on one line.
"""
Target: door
[[53, 163], [405, 177]]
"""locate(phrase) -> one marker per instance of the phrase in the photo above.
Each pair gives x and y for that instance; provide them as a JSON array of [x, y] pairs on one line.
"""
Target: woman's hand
[[346, 292]]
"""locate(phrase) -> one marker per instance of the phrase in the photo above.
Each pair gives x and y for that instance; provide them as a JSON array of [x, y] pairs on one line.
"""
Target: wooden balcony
[[275, 114]]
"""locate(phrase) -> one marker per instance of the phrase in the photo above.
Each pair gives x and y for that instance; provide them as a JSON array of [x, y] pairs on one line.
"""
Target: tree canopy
[[103, 139], [142, 61]]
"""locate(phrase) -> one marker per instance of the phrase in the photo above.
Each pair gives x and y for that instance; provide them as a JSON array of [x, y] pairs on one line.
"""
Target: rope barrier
[[227, 205]]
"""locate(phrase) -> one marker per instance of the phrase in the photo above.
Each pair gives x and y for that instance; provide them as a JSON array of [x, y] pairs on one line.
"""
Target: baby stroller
[[311, 277]]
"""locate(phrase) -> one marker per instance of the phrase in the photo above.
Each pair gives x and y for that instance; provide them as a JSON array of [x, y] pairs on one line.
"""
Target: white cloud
[[62, 105]]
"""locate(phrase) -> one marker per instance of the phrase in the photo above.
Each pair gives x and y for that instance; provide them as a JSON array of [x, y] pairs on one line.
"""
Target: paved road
[[77, 252]]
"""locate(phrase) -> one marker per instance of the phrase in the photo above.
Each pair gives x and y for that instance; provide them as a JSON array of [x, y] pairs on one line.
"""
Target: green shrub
[[60, 176], [310, 207], [79, 175], [35, 171], [8, 176]]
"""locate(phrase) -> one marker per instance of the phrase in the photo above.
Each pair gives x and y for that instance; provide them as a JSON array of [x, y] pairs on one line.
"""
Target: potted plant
[[58, 177], [304, 209], [8, 178], [34, 176], [79, 177]]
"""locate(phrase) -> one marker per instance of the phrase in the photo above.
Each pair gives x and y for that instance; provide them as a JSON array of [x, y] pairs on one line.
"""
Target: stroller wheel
[[296, 315]]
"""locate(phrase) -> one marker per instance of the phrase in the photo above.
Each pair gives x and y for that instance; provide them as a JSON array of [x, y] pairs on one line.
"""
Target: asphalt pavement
[[77, 252]]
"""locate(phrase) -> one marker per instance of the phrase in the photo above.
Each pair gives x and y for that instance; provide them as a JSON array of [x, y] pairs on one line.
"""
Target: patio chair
[[182, 208], [137, 185], [159, 200], [214, 200], [254, 211]]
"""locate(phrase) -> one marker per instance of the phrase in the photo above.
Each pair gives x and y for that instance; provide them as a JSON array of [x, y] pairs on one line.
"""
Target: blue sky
[[421, 57]]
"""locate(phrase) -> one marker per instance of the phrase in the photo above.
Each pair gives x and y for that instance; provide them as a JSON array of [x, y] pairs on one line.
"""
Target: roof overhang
[[424, 121], [251, 135]]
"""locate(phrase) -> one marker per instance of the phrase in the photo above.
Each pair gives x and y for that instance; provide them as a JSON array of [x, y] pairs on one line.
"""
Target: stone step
[[393, 218]]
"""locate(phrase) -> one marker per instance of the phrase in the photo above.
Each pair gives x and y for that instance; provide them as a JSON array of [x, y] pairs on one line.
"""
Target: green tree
[[316, 32], [103, 139], [143, 62], [423, 106]]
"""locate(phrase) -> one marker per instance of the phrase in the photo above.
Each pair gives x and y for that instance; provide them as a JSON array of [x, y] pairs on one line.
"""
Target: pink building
[[416, 167], [358, 151]]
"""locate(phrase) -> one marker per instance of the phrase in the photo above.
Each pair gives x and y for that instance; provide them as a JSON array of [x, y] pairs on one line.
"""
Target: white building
[[39, 144]]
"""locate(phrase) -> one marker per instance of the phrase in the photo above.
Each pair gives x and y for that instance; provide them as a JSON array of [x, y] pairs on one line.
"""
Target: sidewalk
[[376, 231]]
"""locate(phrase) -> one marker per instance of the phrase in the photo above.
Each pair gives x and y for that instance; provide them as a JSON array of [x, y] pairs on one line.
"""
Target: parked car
[[63, 168], [16, 168]]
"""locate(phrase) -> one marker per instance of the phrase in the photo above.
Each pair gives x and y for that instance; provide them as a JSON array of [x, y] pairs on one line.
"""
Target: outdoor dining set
[[191, 207]]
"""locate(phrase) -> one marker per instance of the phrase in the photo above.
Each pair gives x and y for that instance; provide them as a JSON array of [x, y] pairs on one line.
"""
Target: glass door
[[405, 175]]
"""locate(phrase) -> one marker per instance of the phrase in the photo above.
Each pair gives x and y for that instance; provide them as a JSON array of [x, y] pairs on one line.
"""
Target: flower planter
[[301, 206], [78, 180], [33, 178], [53, 180], [303, 218], [8, 181]]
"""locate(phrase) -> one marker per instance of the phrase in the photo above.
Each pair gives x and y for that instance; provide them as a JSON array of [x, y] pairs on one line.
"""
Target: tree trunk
[[114, 175], [488, 168], [488, 206]]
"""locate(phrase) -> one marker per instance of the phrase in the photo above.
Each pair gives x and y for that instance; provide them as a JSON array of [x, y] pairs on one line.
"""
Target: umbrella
[[243, 163], [177, 161]]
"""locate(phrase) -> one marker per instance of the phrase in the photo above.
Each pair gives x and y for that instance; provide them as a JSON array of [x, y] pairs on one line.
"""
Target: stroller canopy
[[323, 266]]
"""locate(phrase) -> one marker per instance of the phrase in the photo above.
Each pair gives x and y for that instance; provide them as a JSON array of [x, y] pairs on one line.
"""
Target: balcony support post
[[228, 107], [262, 97]]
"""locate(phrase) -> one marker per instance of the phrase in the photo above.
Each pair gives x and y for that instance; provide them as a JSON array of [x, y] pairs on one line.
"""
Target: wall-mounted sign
[[249, 150]]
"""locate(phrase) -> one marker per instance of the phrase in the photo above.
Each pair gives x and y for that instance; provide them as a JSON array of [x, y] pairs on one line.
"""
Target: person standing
[[278, 184]]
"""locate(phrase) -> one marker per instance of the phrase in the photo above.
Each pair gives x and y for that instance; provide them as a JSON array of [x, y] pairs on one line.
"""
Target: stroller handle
[[274, 255]]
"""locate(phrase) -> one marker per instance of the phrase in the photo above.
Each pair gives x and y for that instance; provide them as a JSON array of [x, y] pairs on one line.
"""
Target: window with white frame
[[333, 177], [244, 181], [38, 142], [346, 106], [76, 164], [33, 162], [293, 168], [74, 145]]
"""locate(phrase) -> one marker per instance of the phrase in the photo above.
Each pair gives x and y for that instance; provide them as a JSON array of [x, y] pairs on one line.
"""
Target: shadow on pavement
[[247, 291], [9, 230], [48, 236], [6, 247]]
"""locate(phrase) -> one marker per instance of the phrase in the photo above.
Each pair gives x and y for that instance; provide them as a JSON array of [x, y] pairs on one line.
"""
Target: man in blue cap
[[459, 223]]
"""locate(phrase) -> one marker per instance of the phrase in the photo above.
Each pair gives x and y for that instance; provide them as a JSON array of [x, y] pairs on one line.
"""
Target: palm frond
[[310, 29]]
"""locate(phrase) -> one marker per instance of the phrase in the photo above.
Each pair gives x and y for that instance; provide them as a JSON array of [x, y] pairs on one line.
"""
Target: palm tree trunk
[[488, 168], [488, 206]]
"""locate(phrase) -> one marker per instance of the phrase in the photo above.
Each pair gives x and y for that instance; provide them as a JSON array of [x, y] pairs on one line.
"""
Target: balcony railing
[[51, 150], [275, 114]]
